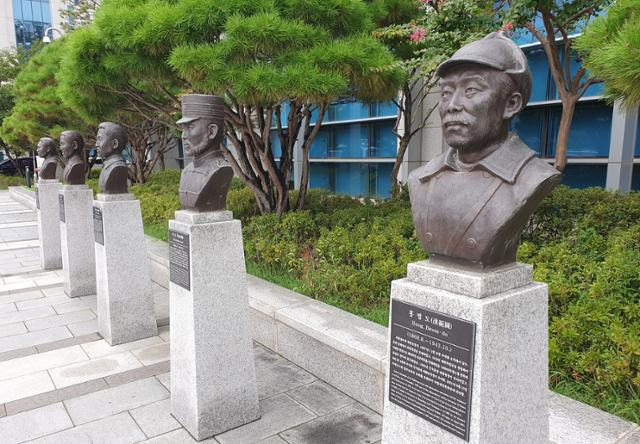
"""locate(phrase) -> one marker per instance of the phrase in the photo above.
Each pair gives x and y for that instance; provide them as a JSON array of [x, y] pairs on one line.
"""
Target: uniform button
[[486, 175], [471, 243], [428, 237]]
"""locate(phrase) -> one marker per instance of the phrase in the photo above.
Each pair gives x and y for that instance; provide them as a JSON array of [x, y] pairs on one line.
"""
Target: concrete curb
[[23, 195], [349, 352]]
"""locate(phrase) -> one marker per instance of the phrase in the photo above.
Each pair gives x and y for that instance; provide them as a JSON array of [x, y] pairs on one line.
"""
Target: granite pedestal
[[76, 234], [213, 382], [48, 223], [125, 300], [498, 395]]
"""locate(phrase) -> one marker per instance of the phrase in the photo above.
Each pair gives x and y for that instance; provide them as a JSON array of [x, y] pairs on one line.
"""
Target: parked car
[[7, 167]]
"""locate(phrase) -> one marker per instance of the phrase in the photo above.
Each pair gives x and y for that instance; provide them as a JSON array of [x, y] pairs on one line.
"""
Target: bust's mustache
[[457, 119]]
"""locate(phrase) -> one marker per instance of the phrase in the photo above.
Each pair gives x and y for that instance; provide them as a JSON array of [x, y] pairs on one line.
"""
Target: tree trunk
[[403, 144], [562, 142]]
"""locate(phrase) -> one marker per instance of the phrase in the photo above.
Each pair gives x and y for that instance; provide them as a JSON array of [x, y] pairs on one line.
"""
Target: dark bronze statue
[[471, 203], [204, 182], [47, 150], [71, 145], [110, 141]]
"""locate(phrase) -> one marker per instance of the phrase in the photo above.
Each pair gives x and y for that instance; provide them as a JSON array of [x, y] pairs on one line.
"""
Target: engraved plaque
[[61, 202], [179, 261], [431, 371], [98, 227], [37, 199]]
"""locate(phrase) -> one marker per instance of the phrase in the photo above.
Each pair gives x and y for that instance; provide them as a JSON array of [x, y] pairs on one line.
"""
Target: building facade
[[604, 145], [23, 22]]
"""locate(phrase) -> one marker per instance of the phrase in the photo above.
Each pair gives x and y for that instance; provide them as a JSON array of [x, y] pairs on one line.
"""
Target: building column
[[624, 127]]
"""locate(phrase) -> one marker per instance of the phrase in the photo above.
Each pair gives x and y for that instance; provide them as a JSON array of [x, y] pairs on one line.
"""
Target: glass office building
[[31, 18], [355, 149]]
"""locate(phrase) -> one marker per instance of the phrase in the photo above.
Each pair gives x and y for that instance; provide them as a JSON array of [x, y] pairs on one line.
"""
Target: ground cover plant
[[585, 244]]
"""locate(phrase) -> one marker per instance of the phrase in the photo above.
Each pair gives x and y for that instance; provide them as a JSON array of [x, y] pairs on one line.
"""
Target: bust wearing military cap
[[471, 203], [110, 142], [47, 150], [71, 145], [204, 183]]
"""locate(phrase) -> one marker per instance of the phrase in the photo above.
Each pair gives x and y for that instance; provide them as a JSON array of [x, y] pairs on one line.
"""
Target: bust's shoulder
[[433, 166]]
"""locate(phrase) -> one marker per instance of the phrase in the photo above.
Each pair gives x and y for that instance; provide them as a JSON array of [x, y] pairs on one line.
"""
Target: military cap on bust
[[499, 52], [198, 106]]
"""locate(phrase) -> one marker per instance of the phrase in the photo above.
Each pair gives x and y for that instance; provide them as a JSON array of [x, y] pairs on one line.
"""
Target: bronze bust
[[47, 149], [110, 141], [471, 203], [204, 183], [71, 145]]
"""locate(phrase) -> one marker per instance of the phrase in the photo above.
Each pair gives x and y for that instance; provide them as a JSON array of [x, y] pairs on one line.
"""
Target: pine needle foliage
[[611, 48]]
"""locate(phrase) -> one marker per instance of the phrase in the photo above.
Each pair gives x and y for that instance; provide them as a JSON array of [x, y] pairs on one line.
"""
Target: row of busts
[[110, 141]]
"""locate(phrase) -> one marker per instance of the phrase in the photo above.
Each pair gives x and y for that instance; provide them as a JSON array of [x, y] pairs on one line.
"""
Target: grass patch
[[11, 181]]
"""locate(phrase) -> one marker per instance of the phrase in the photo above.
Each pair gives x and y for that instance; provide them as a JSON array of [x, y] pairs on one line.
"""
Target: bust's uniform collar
[[505, 162]]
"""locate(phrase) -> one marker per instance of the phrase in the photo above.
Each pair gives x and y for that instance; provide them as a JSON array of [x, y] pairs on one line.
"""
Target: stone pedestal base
[[213, 382], [125, 300], [76, 235], [49, 223], [508, 396]]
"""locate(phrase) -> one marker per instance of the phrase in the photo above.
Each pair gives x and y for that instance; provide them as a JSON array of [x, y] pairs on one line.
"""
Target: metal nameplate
[[431, 368], [61, 202], [179, 260], [98, 226]]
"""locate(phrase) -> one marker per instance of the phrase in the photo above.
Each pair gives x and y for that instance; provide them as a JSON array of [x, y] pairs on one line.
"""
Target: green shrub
[[11, 181]]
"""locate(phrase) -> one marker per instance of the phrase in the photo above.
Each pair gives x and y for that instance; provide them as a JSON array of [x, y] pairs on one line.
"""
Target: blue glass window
[[276, 148], [529, 126], [347, 111], [355, 140], [590, 134], [383, 141], [31, 18], [584, 176], [635, 179], [353, 179], [380, 109], [540, 74]]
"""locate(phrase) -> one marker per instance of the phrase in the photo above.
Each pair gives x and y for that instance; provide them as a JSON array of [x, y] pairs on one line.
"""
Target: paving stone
[[279, 413], [114, 400], [78, 305], [275, 439], [275, 374], [25, 386], [19, 353], [84, 328], [54, 396], [40, 362], [52, 291], [67, 342], [165, 379], [12, 329], [42, 301], [153, 354], [354, 424], [164, 333], [320, 397], [57, 320], [118, 429], [8, 308], [180, 436], [25, 315], [34, 424], [94, 369], [155, 419], [3, 411], [138, 373], [102, 348], [33, 338]]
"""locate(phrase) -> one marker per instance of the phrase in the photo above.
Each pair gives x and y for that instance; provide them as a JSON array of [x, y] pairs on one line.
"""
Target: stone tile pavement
[[61, 383]]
